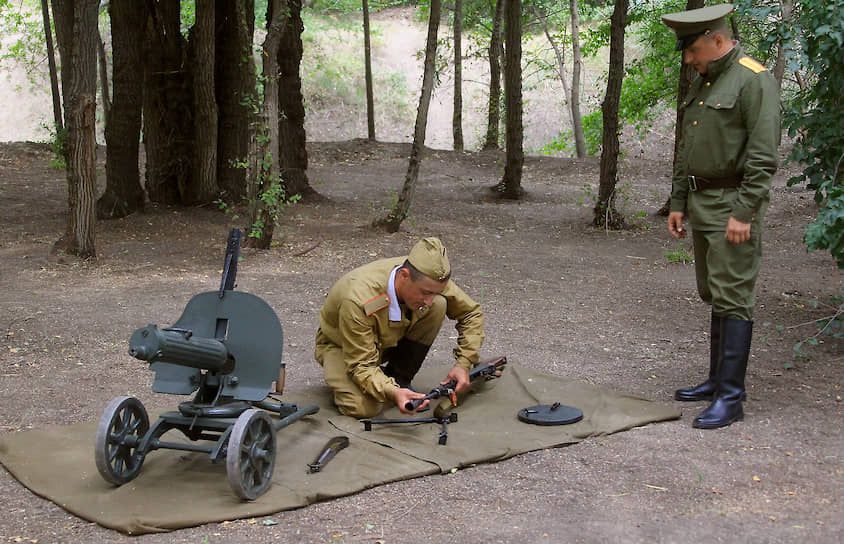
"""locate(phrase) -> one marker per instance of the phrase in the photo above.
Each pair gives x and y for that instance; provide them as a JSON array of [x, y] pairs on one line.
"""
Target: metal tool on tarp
[[550, 414], [328, 452], [444, 421]]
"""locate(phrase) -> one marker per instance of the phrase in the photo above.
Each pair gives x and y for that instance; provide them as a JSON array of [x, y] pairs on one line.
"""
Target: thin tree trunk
[[76, 27], [204, 188], [51, 62], [496, 53], [123, 194], [401, 210], [577, 65], [457, 116], [367, 57], [561, 66], [605, 213], [786, 7], [234, 79], [511, 184], [266, 179], [291, 131], [103, 64]]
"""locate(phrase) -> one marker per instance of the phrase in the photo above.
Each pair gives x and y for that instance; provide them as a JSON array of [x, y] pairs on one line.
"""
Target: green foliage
[[813, 115], [679, 255], [831, 325], [22, 32], [58, 145]]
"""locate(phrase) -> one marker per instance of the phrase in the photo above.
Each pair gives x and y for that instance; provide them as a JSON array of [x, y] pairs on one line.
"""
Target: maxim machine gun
[[227, 346]]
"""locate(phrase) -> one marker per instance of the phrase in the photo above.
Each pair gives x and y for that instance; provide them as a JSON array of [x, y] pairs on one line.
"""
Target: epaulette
[[376, 304], [751, 65]]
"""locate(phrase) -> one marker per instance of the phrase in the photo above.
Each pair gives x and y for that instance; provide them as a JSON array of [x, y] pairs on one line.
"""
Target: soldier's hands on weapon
[[461, 378], [405, 396], [675, 225]]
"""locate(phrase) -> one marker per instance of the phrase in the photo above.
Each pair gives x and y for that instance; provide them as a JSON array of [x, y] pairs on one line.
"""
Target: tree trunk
[[103, 65], [76, 30], [496, 52], [203, 188], [51, 62], [401, 210], [457, 115], [265, 182], [367, 58], [786, 7], [510, 185], [291, 105], [577, 65], [168, 100], [605, 213], [123, 194], [561, 66], [235, 83], [687, 75]]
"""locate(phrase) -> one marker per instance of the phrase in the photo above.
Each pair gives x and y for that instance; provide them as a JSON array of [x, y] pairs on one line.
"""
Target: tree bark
[[605, 213], [51, 62], [123, 194], [401, 210], [367, 58], [234, 80], [577, 65], [103, 65], [457, 115], [168, 100], [265, 180], [76, 31], [496, 53], [510, 185], [786, 8], [293, 153], [203, 188]]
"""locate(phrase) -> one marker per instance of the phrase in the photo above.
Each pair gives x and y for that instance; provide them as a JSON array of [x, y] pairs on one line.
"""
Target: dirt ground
[[558, 295]]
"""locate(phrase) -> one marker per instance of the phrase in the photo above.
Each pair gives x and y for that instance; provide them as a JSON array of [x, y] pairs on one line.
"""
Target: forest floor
[[559, 296]]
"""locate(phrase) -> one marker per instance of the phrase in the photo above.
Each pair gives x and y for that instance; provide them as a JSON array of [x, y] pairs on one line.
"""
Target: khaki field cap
[[428, 256], [690, 25]]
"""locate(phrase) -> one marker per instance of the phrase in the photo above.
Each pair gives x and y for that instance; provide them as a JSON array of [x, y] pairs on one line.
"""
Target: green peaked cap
[[693, 23]]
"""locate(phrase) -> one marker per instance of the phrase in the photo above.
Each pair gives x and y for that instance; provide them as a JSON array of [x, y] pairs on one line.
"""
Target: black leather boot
[[706, 390], [736, 335], [404, 361]]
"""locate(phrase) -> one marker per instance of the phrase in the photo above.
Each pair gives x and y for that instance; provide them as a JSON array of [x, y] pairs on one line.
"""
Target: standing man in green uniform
[[722, 178], [379, 321]]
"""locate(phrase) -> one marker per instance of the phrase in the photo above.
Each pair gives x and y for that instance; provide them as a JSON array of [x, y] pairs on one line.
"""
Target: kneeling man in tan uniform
[[379, 321]]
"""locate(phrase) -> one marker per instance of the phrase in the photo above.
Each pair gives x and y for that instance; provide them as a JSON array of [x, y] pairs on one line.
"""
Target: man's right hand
[[675, 225], [403, 396]]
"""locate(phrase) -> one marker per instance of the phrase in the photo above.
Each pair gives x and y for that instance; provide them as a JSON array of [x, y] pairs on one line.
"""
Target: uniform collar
[[395, 310], [716, 67]]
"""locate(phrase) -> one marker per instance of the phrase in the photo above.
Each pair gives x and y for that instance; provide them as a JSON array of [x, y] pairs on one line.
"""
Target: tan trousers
[[348, 397]]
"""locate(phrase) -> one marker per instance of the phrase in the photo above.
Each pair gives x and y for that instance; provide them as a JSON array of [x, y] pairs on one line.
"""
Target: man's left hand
[[460, 375], [737, 232]]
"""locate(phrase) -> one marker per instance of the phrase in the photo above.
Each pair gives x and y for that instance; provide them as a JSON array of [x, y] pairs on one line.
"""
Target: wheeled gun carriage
[[227, 346]]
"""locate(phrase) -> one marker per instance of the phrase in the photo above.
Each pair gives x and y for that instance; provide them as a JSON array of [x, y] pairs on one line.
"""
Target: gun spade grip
[[413, 404]]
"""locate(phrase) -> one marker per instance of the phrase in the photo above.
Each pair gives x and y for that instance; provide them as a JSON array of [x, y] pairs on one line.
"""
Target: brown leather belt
[[697, 183]]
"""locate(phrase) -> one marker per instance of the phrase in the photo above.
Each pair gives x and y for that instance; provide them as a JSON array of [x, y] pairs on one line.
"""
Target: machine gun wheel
[[250, 456], [123, 424]]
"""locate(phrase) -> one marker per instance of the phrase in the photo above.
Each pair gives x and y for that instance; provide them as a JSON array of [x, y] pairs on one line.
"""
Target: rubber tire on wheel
[[250, 456], [123, 424]]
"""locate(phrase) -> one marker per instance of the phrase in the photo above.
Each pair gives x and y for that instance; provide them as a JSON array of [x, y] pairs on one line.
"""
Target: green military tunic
[[354, 319], [731, 127]]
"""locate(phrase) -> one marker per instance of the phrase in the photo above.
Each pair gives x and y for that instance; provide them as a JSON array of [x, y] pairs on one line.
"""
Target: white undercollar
[[395, 310]]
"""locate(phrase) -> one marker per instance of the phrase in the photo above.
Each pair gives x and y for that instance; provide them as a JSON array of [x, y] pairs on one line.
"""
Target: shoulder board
[[751, 65], [376, 304]]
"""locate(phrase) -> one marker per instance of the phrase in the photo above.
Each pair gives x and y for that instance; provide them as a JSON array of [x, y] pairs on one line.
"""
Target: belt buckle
[[693, 186]]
